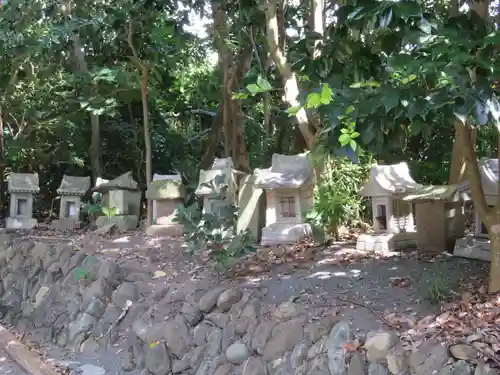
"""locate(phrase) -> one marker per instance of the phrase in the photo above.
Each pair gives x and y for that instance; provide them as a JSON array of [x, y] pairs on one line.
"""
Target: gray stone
[[429, 358], [192, 314], [181, 365], [237, 353], [225, 369], [125, 292], [378, 344], [209, 300], [261, 335], [356, 365], [340, 335], [218, 318], [375, 368], [83, 324], [317, 348], [228, 298], [228, 336], [41, 294], [214, 343], [316, 330], [254, 366], [97, 289], [128, 363], [177, 336], [299, 354], [158, 359], [284, 338], [196, 356], [457, 368], [141, 328], [287, 310], [483, 369], [398, 360], [201, 332], [204, 368], [111, 273], [95, 307]]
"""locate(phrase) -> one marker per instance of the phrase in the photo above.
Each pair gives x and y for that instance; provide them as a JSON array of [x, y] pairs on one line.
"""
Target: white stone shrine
[[71, 191], [166, 192], [478, 246], [222, 169], [22, 187], [393, 218], [288, 184]]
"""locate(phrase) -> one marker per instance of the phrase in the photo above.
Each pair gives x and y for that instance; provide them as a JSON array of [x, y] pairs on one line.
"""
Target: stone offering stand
[[56, 294]]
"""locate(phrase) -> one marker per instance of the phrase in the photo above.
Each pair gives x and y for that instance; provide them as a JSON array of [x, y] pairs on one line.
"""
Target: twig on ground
[[370, 309]]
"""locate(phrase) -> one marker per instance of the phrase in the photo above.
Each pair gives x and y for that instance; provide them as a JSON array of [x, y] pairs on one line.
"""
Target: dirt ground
[[370, 290]]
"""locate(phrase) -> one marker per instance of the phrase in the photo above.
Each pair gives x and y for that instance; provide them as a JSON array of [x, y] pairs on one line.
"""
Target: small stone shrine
[[122, 196], [22, 187], [288, 184], [439, 216], [167, 192], [222, 170], [478, 246], [71, 191], [393, 220]]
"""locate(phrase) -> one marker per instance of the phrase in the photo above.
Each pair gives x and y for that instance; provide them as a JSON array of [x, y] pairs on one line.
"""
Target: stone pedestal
[[387, 241], [20, 223], [122, 222]]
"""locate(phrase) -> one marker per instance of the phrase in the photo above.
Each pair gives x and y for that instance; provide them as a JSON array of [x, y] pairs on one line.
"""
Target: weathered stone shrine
[[288, 184], [478, 246], [123, 196], [439, 214], [223, 170], [393, 218], [22, 187], [71, 191], [167, 192]]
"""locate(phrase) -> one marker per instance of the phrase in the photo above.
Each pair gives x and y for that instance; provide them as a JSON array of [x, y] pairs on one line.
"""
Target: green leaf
[[354, 135], [313, 100], [353, 144], [326, 94], [391, 99], [344, 139], [253, 88], [408, 9], [264, 84], [239, 95], [292, 111]]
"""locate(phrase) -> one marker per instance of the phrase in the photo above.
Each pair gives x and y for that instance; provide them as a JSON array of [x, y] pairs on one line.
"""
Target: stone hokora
[[393, 221], [288, 184], [121, 198], [167, 192], [22, 187], [71, 191]]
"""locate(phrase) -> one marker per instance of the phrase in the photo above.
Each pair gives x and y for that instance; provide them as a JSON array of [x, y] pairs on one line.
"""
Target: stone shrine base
[[473, 248], [386, 241], [168, 230], [19, 223], [122, 222], [276, 234], [65, 224]]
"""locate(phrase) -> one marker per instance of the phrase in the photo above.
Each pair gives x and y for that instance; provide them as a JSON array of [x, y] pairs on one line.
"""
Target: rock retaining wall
[[60, 295]]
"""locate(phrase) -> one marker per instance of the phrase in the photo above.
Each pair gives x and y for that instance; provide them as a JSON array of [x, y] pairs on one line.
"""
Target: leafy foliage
[[214, 232], [336, 200]]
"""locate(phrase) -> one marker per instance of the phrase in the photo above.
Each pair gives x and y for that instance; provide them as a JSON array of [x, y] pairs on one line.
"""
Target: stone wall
[[56, 294]]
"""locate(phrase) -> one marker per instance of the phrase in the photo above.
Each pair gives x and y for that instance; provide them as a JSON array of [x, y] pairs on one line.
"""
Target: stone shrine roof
[[388, 180], [435, 193], [222, 167], [286, 172], [23, 183], [166, 187], [123, 182], [488, 170], [74, 185]]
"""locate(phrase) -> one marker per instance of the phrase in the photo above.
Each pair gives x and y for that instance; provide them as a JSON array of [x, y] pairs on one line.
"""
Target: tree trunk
[[290, 83], [147, 139], [457, 166], [3, 194], [95, 143]]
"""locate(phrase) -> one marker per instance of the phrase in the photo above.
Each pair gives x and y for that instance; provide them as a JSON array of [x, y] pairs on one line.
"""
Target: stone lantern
[[71, 191], [22, 187]]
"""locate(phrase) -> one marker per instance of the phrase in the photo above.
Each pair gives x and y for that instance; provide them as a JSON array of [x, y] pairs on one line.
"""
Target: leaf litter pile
[[470, 325]]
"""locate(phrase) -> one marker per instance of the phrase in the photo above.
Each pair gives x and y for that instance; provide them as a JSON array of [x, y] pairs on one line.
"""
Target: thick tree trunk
[[3, 194], [489, 216], [457, 167], [288, 77]]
